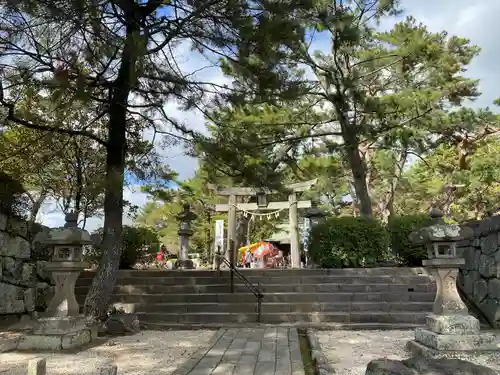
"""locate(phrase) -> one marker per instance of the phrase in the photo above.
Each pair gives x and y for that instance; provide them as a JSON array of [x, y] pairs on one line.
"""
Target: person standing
[[160, 255], [248, 258], [302, 260]]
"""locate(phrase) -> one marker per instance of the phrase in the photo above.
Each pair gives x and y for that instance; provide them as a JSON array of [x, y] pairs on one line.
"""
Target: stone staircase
[[372, 296]]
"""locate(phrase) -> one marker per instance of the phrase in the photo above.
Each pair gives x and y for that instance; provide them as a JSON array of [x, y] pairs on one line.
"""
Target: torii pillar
[[294, 230], [292, 205]]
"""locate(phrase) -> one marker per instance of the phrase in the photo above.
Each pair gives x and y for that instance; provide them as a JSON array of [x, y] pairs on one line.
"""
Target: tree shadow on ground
[[143, 354]]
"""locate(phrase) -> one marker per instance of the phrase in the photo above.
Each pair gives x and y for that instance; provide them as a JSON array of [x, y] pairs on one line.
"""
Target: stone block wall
[[480, 278], [24, 286]]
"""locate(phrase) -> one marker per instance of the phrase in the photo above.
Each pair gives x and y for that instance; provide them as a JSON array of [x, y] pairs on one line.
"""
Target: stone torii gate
[[292, 205]]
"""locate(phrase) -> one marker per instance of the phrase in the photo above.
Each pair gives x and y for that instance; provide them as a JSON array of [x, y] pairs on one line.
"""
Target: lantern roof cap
[[314, 211], [69, 234], [440, 231], [186, 214]]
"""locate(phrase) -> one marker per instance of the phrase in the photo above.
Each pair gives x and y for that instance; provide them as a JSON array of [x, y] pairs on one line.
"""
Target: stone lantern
[[66, 264], [185, 217], [315, 214], [449, 327], [61, 325]]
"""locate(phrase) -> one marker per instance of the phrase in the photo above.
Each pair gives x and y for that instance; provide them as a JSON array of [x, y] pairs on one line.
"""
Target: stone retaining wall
[[24, 286], [480, 278]]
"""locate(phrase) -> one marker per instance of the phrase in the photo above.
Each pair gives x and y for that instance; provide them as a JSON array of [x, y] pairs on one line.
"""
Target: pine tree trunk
[[358, 170], [36, 205], [354, 159], [387, 208], [96, 302]]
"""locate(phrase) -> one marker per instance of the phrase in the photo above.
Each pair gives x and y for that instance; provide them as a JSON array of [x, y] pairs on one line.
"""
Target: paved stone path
[[248, 351]]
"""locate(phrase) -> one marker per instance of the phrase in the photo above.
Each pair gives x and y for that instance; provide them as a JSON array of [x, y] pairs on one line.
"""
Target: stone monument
[[449, 329], [185, 217], [62, 326]]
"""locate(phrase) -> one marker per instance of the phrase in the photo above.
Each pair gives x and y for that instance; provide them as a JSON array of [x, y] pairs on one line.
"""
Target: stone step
[[264, 280], [276, 307], [268, 288], [335, 317], [379, 271], [144, 298], [320, 326]]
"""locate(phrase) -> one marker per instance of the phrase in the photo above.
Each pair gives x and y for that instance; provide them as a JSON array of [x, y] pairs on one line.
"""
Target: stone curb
[[303, 325], [323, 367], [189, 364], [8, 342]]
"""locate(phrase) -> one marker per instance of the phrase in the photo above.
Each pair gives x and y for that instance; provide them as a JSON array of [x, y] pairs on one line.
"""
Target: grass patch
[[305, 351]]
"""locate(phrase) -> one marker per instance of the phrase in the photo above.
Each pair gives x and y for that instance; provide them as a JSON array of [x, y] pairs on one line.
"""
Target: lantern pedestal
[[450, 331], [59, 325], [450, 327], [445, 273], [64, 301], [58, 333], [184, 263]]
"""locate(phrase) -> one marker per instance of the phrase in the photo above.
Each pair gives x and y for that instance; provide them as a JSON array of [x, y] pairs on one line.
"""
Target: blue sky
[[470, 19]]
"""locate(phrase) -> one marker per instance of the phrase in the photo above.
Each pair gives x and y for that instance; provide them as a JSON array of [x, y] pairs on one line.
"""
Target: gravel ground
[[147, 353], [350, 351]]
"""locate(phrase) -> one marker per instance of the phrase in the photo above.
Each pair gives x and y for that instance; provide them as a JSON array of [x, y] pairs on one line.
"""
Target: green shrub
[[399, 229], [39, 251], [92, 253], [348, 242], [13, 198], [138, 244]]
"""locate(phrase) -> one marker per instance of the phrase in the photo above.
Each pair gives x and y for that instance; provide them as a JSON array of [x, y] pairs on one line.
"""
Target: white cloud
[[51, 215], [472, 20]]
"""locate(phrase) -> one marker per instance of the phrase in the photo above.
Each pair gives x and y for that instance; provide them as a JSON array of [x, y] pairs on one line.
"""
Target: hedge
[[399, 229], [348, 242], [138, 244]]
